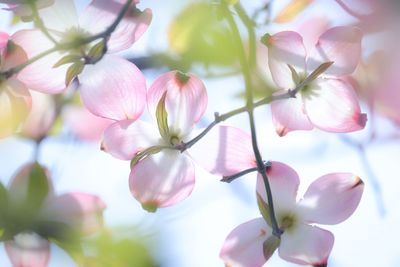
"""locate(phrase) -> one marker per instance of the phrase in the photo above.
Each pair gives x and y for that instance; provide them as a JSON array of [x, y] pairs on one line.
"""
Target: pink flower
[[35, 214], [110, 86], [328, 102], [15, 100], [330, 199], [164, 176]]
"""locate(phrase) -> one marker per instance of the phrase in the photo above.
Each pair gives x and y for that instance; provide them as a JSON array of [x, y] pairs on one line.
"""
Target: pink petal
[[289, 115], [41, 116], [82, 211], [61, 16], [342, 45], [284, 183], [15, 103], [40, 76], [124, 139], [163, 179], [113, 88], [21, 9], [186, 101], [28, 250], [306, 244], [332, 198], [100, 14], [332, 106], [3, 41], [244, 245], [77, 119], [285, 48], [311, 29], [224, 151]]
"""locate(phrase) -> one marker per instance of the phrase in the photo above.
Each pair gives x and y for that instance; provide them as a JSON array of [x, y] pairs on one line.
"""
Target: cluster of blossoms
[[78, 51]]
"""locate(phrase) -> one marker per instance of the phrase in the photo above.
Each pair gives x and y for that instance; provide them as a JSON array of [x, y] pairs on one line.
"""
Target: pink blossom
[[326, 102], [110, 86], [165, 176], [38, 214], [15, 100], [330, 199]]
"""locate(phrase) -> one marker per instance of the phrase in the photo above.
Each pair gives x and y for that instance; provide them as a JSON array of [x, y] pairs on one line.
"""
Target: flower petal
[[124, 139], [244, 245], [284, 183], [289, 115], [285, 48], [333, 106], [40, 75], [332, 198], [60, 16], [224, 151], [28, 249], [100, 14], [162, 179], [82, 211], [342, 45], [15, 103], [113, 88], [186, 100], [77, 118], [306, 244]]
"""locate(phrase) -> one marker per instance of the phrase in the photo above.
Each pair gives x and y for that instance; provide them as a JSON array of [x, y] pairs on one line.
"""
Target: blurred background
[[190, 36]]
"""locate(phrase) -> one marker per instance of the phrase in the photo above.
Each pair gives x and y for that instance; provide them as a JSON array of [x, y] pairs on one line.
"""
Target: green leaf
[[38, 187], [67, 59], [295, 75], [145, 153], [97, 51], [73, 71], [318, 71], [264, 209], [3, 203], [270, 245], [162, 118]]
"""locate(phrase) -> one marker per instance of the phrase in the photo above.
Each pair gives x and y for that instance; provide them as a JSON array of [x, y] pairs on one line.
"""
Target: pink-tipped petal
[[244, 245], [124, 139], [78, 118], [286, 48], [60, 16], [186, 100], [100, 14], [306, 244], [28, 250], [40, 75], [342, 45], [332, 198], [224, 151], [284, 183], [162, 179], [113, 88], [333, 106], [289, 115], [82, 211]]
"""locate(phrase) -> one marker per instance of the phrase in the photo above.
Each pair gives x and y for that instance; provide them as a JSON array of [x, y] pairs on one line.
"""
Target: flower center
[[75, 37], [288, 222]]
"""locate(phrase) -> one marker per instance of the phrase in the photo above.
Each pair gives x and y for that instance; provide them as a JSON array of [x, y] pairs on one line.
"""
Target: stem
[[39, 22], [61, 46], [228, 179], [246, 65]]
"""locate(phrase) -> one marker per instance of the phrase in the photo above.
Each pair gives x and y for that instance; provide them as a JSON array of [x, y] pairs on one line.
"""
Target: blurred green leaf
[[162, 118], [198, 35], [67, 59], [38, 187], [73, 71], [3, 204]]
